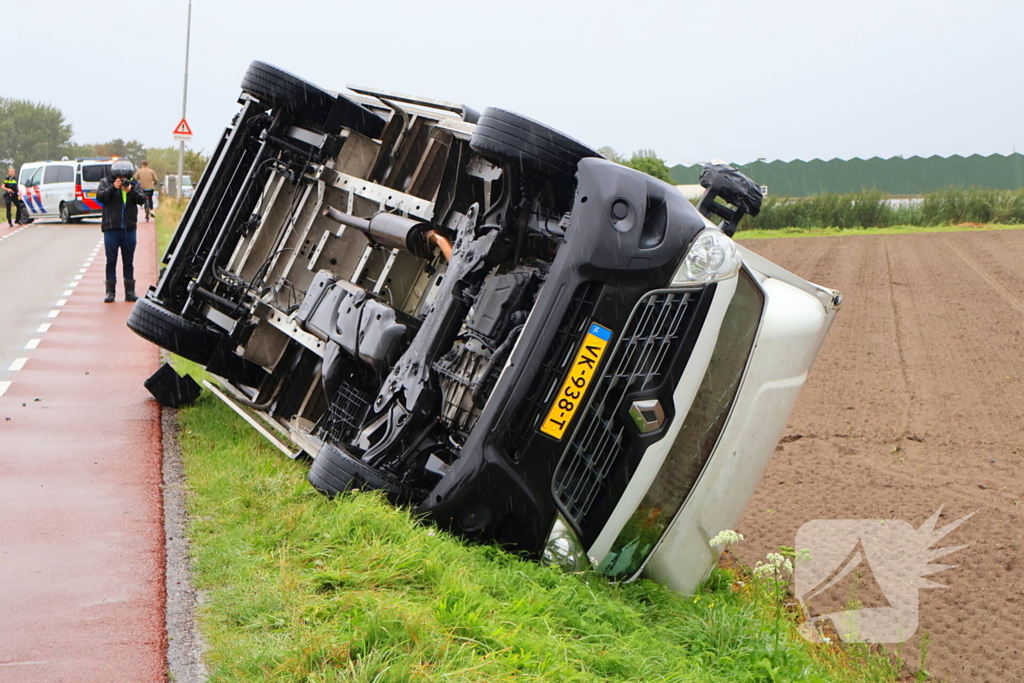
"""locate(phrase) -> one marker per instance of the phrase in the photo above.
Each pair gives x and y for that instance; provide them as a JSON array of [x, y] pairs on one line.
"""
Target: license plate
[[90, 195], [574, 389]]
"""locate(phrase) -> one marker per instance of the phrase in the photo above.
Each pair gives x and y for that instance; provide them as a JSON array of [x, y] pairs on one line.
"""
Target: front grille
[[644, 352], [556, 363]]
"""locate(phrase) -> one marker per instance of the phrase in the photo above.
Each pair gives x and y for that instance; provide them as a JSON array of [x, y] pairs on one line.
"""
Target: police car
[[64, 189]]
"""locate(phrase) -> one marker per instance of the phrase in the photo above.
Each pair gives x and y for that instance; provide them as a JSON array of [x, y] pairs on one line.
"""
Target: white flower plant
[[772, 575]]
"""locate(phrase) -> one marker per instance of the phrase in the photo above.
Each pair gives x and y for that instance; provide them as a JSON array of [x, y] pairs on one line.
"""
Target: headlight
[[563, 549], [712, 257]]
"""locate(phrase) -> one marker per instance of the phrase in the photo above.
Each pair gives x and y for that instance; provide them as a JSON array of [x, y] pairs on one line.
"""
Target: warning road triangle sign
[[183, 129]]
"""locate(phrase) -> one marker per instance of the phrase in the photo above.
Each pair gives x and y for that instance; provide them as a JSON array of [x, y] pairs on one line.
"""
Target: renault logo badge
[[648, 415]]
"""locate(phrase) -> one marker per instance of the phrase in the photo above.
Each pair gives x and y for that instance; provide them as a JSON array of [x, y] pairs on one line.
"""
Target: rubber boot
[[109, 298], [129, 291]]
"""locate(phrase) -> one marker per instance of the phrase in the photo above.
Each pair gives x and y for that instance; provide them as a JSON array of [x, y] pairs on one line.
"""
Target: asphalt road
[[81, 525], [38, 264]]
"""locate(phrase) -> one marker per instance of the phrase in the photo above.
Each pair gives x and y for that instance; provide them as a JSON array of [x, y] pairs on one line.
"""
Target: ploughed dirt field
[[916, 402]]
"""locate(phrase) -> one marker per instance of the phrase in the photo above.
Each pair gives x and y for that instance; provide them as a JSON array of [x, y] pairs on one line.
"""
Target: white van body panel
[[796, 319]]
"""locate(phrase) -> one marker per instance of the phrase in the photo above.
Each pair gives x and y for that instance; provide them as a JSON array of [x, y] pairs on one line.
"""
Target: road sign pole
[[184, 101]]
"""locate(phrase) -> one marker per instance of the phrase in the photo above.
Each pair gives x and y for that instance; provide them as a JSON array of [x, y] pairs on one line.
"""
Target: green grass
[[301, 588], [167, 217], [893, 230]]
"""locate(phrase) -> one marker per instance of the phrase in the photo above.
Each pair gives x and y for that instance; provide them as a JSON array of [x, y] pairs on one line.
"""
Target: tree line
[[36, 131], [644, 160]]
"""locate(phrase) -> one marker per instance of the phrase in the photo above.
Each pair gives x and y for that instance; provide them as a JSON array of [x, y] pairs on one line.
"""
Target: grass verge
[[893, 230], [167, 218], [301, 588]]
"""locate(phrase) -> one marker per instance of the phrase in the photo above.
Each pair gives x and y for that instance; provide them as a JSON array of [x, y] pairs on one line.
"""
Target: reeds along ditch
[[874, 209]]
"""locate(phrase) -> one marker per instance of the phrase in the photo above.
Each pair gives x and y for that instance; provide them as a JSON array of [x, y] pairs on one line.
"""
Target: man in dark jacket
[[121, 197]]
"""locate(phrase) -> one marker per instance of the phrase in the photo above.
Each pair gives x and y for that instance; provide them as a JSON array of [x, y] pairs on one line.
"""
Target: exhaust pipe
[[395, 232]]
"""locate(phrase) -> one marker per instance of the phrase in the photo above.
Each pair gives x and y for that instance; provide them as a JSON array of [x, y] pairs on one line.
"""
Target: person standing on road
[[121, 197], [148, 179], [11, 195]]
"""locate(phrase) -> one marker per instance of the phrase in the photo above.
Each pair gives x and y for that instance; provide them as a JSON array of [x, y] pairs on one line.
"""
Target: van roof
[[48, 161]]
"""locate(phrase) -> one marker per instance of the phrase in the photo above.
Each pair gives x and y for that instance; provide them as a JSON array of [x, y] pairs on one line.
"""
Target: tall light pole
[[184, 101]]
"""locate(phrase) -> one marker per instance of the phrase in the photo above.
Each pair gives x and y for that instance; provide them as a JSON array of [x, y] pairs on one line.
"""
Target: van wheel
[[505, 136], [309, 104], [65, 213], [189, 340], [334, 471]]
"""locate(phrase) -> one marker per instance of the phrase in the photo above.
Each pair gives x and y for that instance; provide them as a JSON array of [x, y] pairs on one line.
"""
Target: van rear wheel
[[169, 330], [309, 104], [65, 213]]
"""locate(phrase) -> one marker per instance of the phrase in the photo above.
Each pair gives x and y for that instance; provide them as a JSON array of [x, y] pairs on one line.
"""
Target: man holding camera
[[11, 196], [121, 197]]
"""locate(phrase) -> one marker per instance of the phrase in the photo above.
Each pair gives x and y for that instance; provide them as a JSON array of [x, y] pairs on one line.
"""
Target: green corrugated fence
[[896, 176]]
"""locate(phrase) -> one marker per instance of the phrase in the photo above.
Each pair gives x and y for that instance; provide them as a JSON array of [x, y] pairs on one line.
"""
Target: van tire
[[309, 105], [65, 213], [505, 136], [169, 330], [333, 472]]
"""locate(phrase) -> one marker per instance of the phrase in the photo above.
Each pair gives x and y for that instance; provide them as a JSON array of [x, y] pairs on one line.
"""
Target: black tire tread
[[539, 148], [333, 472], [169, 330], [310, 104]]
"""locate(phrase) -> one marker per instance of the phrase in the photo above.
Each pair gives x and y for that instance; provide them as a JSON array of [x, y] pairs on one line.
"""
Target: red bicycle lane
[[81, 519]]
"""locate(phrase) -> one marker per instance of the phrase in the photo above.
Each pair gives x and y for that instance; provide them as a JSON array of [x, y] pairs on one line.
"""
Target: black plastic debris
[[732, 186], [722, 180], [170, 389]]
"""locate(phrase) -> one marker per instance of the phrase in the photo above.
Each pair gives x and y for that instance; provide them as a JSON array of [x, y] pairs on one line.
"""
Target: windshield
[[186, 180], [93, 173]]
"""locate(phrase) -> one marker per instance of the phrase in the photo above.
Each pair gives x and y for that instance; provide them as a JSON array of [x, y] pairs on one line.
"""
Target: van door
[[58, 187], [65, 190]]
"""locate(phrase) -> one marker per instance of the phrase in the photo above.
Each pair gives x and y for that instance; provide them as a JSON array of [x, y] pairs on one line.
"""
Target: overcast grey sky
[[693, 80]]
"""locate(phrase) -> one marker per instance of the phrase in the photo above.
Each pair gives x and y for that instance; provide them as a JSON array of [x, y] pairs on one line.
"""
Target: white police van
[[64, 189]]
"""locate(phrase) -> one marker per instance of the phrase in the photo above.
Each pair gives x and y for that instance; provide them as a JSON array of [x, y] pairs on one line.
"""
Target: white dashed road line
[[19, 363], [13, 233]]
